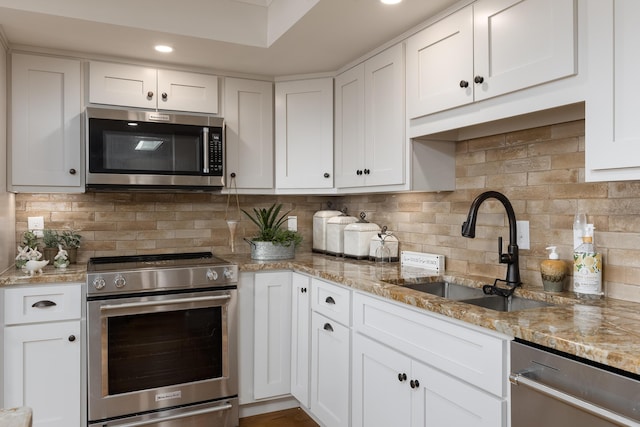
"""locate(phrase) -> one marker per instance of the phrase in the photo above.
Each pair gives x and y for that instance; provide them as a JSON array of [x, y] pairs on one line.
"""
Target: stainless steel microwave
[[150, 150]]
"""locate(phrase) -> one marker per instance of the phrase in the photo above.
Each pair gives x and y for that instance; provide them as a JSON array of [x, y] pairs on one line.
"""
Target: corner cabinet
[[370, 122], [45, 142], [304, 135], [249, 133], [431, 370], [490, 48], [300, 339], [42, 353], [612, 126], [142, 87]]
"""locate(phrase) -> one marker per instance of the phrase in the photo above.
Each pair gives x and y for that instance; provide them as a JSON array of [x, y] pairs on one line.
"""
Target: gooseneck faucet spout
[[511, 258]]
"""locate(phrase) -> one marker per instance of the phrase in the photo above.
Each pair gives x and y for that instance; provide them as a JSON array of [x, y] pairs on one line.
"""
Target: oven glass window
[[163, 349]]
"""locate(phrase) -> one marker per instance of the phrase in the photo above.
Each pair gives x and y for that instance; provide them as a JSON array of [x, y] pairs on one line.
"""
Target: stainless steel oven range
[[162, 344]]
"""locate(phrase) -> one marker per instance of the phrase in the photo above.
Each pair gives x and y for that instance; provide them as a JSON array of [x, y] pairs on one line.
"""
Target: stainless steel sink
[[513, 303], [447, 290], [475, 296]]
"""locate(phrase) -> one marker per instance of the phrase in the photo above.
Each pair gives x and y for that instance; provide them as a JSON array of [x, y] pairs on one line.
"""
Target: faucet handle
[[504, 258]]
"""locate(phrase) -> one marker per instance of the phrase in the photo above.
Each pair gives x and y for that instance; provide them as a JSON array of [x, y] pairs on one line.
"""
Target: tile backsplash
[[541, 170]]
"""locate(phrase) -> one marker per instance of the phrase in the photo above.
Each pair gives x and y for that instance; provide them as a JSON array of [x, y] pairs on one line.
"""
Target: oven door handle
[[175, 417], [163, 302], [520, 380]]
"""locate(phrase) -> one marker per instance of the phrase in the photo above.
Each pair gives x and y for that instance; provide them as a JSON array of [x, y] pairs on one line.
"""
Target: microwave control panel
[[216, 152]]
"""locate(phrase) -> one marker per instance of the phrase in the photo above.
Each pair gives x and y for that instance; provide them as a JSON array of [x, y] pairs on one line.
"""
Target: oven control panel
[[161, 279]]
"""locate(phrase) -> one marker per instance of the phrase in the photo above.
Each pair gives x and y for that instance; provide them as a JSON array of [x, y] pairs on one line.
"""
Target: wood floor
[[295, 417]]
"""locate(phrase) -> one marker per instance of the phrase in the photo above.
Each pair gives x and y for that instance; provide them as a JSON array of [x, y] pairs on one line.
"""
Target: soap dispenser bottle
[[553, 271], [587, 266]]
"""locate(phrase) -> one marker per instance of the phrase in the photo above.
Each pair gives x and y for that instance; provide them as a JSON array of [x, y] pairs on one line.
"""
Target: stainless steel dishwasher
[[551, 389]]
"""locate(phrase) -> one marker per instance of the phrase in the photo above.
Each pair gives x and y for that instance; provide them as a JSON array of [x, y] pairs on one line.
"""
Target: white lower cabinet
[[42, 353], [416, 369], [300, 337], [272, 334], [330, 353]]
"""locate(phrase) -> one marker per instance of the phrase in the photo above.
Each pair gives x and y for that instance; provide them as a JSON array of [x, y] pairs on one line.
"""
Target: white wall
[[7, 200]]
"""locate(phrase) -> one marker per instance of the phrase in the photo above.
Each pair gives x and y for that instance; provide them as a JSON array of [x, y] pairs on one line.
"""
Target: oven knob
[[99, 283], [228, 273], [212, 275], [120, 281]]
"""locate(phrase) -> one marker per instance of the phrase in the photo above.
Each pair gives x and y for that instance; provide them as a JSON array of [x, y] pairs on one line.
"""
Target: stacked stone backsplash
[[541, 170]]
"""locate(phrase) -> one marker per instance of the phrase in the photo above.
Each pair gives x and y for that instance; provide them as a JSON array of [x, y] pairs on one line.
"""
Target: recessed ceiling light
[[164, 48], [390, 1]]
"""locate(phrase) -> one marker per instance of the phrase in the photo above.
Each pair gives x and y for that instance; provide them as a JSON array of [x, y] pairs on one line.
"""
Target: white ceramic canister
[[357, 238], [320, 220], [335, 233]]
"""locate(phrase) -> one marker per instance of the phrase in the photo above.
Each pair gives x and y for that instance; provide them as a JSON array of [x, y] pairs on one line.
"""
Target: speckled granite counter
[[15, 417], [601, 330]]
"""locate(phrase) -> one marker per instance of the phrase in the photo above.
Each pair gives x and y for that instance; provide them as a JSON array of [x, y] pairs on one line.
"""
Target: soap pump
[[553, 271]]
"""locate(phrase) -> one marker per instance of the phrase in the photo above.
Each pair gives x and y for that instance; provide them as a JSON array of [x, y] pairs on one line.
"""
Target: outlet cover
[[523, 235], [292, 223], [36, 224]]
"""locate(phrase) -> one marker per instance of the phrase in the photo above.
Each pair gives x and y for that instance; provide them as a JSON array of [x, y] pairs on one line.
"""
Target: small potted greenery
[[70, 240], [272, 242], [51, 240]]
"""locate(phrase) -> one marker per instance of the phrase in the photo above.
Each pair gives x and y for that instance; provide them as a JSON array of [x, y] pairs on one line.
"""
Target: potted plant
[[51, 240], [272, 242], [70, 240]]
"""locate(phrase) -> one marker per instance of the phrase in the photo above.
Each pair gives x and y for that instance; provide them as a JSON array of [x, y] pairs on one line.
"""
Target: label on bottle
[[587, 273]]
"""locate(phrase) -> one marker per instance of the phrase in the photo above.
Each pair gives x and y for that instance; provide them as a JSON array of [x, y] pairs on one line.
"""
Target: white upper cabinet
[[143, 87], [45, 139], [249, 133], [612, 134], [370, 122], [490, 48], [440, 65], [304, 134]]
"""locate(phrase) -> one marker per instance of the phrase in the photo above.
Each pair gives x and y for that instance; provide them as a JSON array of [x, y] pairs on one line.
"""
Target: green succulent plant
[[70, 239], [51, 238], [269, 222]]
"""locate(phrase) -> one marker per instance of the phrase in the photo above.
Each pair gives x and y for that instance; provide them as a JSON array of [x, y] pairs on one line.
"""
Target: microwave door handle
[[205, 149]]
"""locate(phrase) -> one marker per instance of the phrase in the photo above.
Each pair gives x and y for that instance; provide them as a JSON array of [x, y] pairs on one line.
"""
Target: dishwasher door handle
[[521, 380]]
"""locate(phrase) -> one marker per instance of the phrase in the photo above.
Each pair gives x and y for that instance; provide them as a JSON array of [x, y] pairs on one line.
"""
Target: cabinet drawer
[[42, 303], [332, 301], [467, 353]]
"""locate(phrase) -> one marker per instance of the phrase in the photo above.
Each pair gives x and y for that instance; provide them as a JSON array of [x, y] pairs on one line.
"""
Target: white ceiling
[[261, 37]]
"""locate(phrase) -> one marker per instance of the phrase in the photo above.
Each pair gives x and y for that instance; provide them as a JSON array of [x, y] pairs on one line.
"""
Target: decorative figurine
[[33, 266], [61, 260]]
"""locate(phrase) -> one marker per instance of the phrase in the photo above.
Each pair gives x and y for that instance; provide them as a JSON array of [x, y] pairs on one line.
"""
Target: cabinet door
[[522, 43], [304, 134], [330, 377], [439, 399], [181, 91], [42, 370], [272, 334], [612, 145], [440, 65], [249, 132], [300, 341], [381, 392], [46, 110], [349, 128], [385, 117], [121, 84]]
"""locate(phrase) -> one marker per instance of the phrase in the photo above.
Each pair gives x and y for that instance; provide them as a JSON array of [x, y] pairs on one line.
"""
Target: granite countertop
[[603, 330]]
